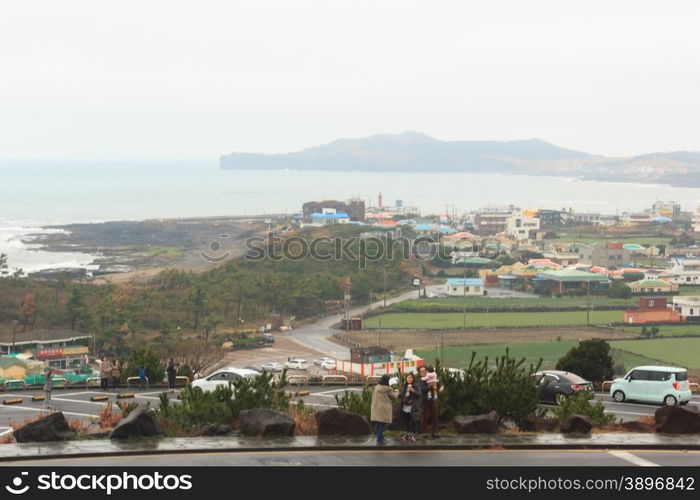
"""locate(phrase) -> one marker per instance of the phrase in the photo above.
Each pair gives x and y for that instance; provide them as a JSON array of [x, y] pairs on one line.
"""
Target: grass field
[[459, 356], [457, 303], [667, 330], [433, 321], [682, 352], [689, 290], [640, 239]]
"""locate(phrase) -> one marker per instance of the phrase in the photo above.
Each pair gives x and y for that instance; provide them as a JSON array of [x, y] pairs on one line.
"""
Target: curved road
[[313, 335]]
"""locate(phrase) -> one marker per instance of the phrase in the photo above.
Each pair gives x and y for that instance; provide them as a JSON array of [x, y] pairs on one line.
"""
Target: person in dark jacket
[[171, 374], [410, 402], [429, 408]]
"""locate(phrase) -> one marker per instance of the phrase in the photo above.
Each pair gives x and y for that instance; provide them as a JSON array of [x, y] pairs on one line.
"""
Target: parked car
[[223, 377], [320, 361], [328, 364], [267, 338], [272, 367], [254, 368], [555, 385], [296, 364], [667, 385]]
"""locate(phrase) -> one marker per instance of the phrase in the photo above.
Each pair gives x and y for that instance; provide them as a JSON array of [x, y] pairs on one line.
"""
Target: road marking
[[27, 408], [633, 459], [614, 412], [325, 393], [9, 429]]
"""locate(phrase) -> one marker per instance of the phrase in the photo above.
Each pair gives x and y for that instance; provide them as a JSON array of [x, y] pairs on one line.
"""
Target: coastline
[[139, 250]]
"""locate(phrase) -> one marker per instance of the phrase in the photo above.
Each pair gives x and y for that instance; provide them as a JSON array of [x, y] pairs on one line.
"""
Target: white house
[[520, 227], [684, 272], [329, 216], [459, 287], [687, 305]]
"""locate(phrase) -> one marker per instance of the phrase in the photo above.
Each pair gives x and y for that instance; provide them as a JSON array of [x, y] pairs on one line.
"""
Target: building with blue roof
[[323, 219], [459, 287]]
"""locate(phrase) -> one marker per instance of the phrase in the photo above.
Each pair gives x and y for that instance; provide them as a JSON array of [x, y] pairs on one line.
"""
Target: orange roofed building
[[652, 310]]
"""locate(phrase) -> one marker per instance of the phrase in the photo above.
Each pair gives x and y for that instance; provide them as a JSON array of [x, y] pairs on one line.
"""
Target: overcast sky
[[196, 79]]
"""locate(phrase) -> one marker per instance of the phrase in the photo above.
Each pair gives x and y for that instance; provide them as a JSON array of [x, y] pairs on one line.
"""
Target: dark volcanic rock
[[262, 422], [142, 421], [52, 427], [577, 423], [677, 420], [337, 422]]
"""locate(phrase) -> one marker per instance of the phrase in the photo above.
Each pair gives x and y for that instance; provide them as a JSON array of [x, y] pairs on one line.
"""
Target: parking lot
[[74, 402]]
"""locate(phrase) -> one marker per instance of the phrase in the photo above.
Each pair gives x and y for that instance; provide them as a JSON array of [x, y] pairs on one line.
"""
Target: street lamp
[[14, 330]]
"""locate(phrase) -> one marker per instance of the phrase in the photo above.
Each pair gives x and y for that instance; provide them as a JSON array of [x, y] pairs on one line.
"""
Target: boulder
[[538, 424], [337, 422], [576, 423], [477, 424], [52, 427], [141, 421], [263, 422], [677, 420]]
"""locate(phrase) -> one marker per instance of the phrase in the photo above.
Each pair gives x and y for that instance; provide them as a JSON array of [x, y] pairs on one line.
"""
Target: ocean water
[[33, 196]]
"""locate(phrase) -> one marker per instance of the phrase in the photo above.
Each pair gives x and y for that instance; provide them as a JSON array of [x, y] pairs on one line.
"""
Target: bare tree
[[200, 356]]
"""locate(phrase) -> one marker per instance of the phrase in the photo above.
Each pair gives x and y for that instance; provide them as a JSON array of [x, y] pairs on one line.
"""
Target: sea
[[34, 196]]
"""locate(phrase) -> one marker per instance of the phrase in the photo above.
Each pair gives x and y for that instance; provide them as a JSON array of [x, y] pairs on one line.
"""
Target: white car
[[328, 364], [320, 361], [296, 364], [272, 367], [223, 378]]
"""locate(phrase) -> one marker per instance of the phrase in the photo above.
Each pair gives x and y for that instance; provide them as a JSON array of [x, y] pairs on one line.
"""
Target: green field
[[682, 352], [639, 239], [457, 303], [437, 321], [550, 352], [667, 330], [689, 290]]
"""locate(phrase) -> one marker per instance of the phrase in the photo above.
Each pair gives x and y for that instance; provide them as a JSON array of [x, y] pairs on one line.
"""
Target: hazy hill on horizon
[[417, 152]]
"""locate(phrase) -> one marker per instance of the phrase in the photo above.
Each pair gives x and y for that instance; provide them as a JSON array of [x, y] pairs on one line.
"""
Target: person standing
[[171, 374], [143, 380], [411, 402], [105, 373], [382, 407], [429, 406], [116, 373], [48, 386]]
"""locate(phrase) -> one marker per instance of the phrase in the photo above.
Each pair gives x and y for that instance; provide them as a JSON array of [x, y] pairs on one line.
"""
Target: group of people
[[417, 404], [109, 371]]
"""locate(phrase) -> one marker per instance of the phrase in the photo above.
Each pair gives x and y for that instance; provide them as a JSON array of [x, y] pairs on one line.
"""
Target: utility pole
[[384, 285], [346, 305], [464, 300], [588, 302]]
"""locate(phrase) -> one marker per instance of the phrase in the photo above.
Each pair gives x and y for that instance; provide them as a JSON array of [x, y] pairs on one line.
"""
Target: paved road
[[313, 335], [379, 457]]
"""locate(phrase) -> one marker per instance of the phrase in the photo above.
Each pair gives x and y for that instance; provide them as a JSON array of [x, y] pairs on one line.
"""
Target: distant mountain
[[416, 152]]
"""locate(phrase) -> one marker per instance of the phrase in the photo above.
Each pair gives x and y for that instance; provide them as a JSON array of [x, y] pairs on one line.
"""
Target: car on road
[[666, 385], [267, 339], [296, 364], [328, 364], [320, 361], [223, 377], [555, 385], [272, 367]]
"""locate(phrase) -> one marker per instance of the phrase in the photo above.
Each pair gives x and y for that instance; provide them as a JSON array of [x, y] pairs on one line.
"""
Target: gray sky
[[196, 79]]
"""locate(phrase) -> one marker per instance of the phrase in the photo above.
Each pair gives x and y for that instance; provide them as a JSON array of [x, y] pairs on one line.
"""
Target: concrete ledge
[[104, 447]]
